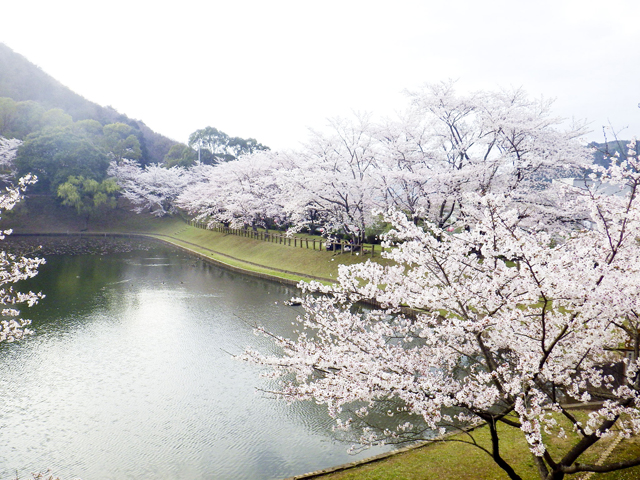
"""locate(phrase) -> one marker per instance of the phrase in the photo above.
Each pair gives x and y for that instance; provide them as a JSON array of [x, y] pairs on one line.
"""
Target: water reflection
[[129, 376]]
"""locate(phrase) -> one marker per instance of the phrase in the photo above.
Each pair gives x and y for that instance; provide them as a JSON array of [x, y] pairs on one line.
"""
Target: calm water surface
[[130, 375]]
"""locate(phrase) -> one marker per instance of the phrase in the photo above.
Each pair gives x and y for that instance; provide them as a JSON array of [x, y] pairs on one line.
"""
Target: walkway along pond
[[130, 374]]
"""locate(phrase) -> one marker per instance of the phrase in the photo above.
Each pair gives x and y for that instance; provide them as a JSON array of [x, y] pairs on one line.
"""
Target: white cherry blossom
[[14, 269], [512, 323]]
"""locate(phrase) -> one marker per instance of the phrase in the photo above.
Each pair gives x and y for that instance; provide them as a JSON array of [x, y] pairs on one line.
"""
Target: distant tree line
[[425, 163], [210, 146], [50, 131]]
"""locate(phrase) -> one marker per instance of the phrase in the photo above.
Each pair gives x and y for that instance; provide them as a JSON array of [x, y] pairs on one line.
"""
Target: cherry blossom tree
[[153, 187], [406, 176], [447, 144], [12, 270], [511, 324], [333, 178], [240, 193]]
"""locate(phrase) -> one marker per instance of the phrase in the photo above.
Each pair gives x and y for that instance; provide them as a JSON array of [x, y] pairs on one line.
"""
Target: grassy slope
[[455, 460]]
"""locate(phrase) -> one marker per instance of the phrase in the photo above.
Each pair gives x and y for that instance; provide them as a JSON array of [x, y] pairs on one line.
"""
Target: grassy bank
[[456, 460], [43, 215]]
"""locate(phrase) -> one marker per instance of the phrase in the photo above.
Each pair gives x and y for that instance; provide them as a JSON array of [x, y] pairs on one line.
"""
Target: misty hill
[[23, 81]]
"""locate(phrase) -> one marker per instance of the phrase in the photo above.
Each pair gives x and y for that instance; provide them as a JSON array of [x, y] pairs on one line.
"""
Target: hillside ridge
[[22, 80]]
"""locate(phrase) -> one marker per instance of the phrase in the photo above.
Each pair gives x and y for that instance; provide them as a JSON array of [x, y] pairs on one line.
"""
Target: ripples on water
[[129, 375]]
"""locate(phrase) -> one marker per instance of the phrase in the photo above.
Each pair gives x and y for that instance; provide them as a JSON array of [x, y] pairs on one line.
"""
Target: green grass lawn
[[456, 460]]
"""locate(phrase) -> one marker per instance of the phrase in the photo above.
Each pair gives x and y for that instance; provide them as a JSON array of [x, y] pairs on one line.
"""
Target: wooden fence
[[338, 246]]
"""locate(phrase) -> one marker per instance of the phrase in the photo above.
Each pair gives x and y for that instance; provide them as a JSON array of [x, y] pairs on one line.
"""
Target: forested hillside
[[27, 94], [70, 144]]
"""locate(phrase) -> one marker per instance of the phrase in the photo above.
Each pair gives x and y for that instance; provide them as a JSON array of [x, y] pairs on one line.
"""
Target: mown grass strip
[[456, 460]]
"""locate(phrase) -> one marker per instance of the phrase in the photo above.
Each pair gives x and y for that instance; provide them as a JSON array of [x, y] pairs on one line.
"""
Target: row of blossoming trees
[[421, 163], [519, 314]]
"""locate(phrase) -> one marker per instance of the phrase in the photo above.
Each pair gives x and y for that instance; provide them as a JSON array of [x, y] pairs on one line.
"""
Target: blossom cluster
[[512, 324], [13, 268]]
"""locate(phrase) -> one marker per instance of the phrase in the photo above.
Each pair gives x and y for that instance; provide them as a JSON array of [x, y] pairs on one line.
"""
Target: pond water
[[130, 375]]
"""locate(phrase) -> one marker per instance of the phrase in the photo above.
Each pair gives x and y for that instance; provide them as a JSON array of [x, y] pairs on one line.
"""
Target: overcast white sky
[[270, 69]]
